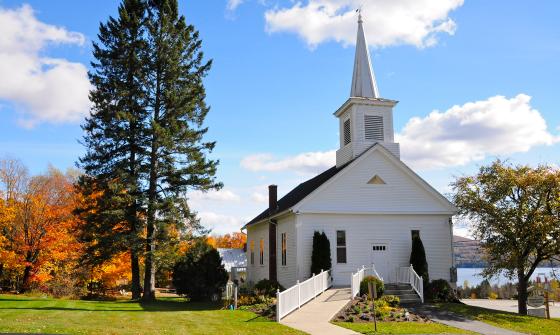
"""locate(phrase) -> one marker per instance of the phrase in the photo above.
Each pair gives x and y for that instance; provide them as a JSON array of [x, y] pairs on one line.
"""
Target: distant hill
[[467, 252]]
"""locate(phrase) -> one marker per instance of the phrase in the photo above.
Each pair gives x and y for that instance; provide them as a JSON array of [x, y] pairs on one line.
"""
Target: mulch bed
[[360, 310]]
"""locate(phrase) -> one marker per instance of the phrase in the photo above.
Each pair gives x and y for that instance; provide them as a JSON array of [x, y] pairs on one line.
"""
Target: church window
[[373, 127], [252, 252], [341, 246], [347, 137], [261, 252], [284, 248]]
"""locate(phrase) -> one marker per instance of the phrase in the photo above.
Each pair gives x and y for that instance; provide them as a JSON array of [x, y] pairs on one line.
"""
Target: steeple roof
[[363, 79]]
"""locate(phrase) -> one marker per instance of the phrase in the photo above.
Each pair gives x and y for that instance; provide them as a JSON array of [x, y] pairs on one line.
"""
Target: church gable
[[376, 182]]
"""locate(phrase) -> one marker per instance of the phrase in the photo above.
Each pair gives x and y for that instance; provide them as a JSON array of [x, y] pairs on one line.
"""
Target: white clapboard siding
[[256, 272], [349, 191], [286, 274], [362, 231]]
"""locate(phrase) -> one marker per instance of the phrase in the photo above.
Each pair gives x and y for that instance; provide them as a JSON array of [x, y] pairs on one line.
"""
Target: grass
[[170, 316], [512, 321], [402, 328]]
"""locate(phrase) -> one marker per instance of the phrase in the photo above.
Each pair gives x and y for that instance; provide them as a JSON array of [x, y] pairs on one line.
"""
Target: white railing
[[298, 295], [407, 275], [359, 276]]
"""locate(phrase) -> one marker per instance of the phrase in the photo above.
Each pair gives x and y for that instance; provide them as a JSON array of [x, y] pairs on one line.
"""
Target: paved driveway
[[507, 305]]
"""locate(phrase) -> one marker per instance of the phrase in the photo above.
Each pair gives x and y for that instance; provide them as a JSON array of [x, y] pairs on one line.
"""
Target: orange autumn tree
[[38, 222], [235, 240]]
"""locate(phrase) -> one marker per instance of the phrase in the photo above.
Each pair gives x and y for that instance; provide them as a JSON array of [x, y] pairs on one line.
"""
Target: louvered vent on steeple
[[373, 127], [347, 134]]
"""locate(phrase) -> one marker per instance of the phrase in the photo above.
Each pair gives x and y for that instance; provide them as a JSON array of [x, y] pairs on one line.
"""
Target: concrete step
[[398, 292]]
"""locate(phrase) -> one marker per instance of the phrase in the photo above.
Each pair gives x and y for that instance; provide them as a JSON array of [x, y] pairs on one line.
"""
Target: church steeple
[[363, 79], [365, 119]]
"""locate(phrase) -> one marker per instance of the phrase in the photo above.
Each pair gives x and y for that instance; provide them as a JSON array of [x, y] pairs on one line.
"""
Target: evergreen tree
[[114, 139], [177, 153], [200, 272], [418, 259], [321, 253]]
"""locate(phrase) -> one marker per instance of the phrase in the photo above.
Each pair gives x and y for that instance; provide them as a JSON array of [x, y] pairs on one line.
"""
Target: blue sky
[[282, 68]]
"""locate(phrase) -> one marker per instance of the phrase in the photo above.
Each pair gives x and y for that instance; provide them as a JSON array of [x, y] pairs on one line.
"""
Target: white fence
[[296, 296], [407, 275], [359, 276]]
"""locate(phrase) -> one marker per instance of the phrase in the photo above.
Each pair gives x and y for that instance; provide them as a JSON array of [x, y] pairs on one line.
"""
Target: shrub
[[379, 287], [418, 259], [391, 300], [268, 287], [440, 291], [321, 253], [200, 273], [493, 296], [248, 300]]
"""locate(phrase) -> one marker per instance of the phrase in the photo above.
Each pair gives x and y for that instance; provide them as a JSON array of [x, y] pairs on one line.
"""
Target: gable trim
[[402, 166]]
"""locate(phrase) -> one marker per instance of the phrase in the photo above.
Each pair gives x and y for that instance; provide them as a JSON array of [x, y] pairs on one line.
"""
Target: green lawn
[[171, 316], [523, 324], [402, 328]]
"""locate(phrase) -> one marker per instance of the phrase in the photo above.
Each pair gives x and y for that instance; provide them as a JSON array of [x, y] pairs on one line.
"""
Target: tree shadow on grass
[[156, 306]]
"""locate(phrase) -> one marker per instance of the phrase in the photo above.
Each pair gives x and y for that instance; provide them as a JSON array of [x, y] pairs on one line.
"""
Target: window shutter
[[373, 127], [347, 137]]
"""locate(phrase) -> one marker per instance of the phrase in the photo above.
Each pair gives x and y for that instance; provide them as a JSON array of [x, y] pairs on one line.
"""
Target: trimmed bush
[[321, 253], [268, 287], [200, 274], [418, 259], [440, 291], [379, 287], [392, 300]]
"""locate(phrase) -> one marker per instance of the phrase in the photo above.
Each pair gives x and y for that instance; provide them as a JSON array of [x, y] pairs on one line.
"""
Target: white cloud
[[309, 162], [473, 131], [413, 22], [221, 195], [42, 89], [233, 4], [259, 197], [219, 223]]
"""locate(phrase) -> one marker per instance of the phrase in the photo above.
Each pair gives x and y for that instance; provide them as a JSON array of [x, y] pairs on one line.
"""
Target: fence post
[[235, 296], [298, 295], [314, 286], [322, 281], [278, 305], [422, 289]]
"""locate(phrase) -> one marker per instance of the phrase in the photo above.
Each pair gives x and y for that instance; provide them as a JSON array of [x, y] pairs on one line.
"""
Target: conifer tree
[[115, 139], [418, 259], [177, 152]]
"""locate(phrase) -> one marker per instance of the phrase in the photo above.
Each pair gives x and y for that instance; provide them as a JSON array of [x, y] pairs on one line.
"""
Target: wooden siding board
[[362, 231]]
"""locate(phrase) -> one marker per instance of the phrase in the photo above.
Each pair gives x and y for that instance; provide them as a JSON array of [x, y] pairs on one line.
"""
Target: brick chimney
[[272, 199]]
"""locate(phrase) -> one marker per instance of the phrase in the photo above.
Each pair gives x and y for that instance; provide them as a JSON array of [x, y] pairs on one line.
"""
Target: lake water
[[472, 275]]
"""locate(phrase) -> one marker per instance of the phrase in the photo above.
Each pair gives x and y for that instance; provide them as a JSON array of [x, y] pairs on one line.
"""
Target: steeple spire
[[363, 79]]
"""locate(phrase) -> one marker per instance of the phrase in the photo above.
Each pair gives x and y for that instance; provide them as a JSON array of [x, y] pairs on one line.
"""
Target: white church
[[369, 205]]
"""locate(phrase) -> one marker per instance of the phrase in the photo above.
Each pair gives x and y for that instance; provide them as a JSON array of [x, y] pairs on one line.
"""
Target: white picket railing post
[[298, 295], [278, 305]]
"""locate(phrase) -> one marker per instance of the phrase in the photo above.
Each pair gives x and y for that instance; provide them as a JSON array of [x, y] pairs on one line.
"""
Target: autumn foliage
[[235, 240]]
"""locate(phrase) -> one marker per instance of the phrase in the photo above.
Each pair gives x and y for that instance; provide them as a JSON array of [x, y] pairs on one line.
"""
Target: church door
[[380, 258]]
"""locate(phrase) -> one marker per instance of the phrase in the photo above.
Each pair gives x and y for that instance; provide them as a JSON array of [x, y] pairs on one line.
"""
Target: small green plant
[[379, 287], [392, 300], [351, 318]]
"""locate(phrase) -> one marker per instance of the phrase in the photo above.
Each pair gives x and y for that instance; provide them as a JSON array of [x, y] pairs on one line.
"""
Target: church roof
[[363, 79], [298, 193]]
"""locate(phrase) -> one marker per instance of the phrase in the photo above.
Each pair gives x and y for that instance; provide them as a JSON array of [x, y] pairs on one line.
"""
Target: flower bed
[[360, 310]]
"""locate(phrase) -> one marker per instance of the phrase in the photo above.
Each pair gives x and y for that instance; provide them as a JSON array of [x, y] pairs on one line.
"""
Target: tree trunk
[[135, 269], [149, 266], [26, 278], [521, 293]]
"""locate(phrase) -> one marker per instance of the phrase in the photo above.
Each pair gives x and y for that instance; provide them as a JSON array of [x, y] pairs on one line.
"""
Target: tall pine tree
[[115, 139], [177, 151]]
